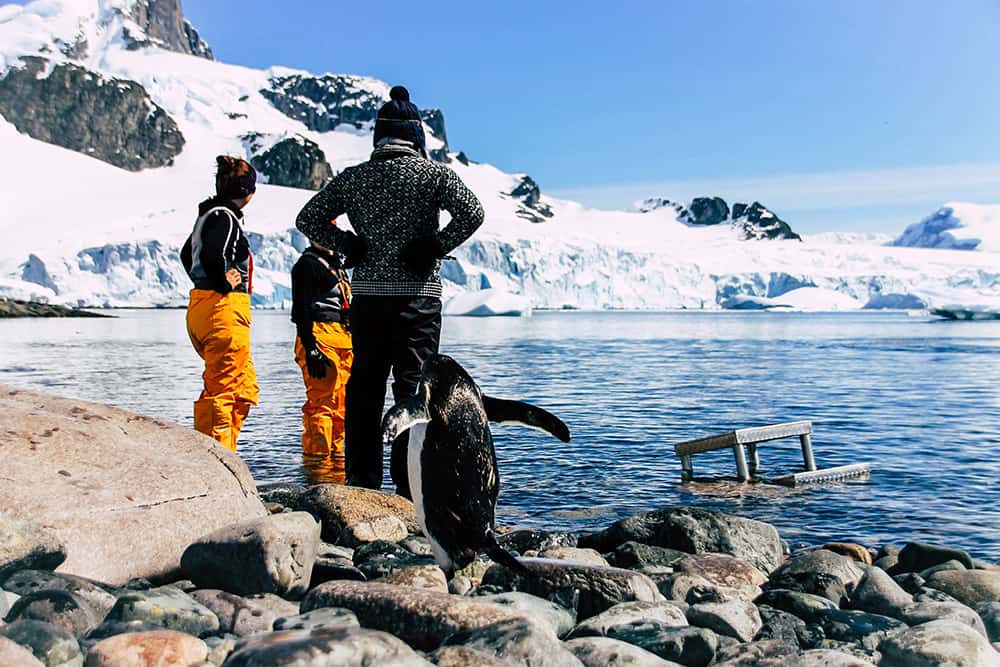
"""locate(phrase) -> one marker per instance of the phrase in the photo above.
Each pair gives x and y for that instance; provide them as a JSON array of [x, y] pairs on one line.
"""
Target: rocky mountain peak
[[161, 23], [753, 221]]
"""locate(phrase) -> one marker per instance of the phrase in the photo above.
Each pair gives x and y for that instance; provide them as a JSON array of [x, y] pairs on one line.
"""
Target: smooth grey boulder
[[418, 545], [220, 648], [970, 587], [599, 588], [168, 608], [924, 612], [574, 555], [380, 559], [694, 589], [803, 605], [695, 531], [125, 494], [559, 619], [630, 615], [93, 593], [519, 641], [24, 545], [607, 652], [50, 644], [533, 539], [637, 556], [878, 593], [693, 647], [768, 653], [389, 528], [60, 608], [462, 656], [423, 619], [429, 577], [324, 617], [740, 620], [989, 612], [818, 572], [942, 567], [918, 556], [780, 625], [858, 627], [13, 654], [340, 507], [287, 494], [272, 554], [244, 616], [831, 658], [324, 647], [936, 644], [722, 570]]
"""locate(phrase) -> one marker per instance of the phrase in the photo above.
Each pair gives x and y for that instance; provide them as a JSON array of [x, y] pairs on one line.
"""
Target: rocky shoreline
[[15, 308], [339, 575], [101, 567]]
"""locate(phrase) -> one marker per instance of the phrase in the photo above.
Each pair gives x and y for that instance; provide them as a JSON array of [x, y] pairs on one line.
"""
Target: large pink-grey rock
[[938, 643], [162, 648], [125, 494], [24, 545], [12, 653], [970, 587]]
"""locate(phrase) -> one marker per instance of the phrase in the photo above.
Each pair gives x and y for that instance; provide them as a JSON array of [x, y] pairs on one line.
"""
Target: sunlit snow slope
[[79, 230]]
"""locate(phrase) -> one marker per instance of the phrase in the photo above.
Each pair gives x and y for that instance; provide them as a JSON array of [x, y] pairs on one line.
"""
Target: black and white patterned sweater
[[392, 199]]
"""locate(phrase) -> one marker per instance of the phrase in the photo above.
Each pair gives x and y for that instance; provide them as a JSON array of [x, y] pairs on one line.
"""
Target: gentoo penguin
[[451, 464]]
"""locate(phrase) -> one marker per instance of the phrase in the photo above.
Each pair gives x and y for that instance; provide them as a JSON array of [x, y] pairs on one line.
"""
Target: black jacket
[[216, 244], [321, 292], [392, 199]]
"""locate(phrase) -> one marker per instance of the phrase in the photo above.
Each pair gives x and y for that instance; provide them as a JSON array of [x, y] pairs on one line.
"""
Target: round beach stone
[[695, 530], [519, 641], [694, 589], [26, 582], [338, 507], [938, 643], [25, 545], [380, 558], [533, 539], [287, 494], [50, 644], [818, 572], [58, 608], [421, 618], [324, 647], [878, 593], [163, 648], [858, 627], [942, 567], [219, 648], [970, 587], [243, 616], [685, 645], [123, 503], [574, 555], [417, 545], [462, 656], [722, 570], [599, 588], [607, 652], [15, 655], [324, 617], [853, 551], [389, 528], [769, 653], [924, 612], [630, 615], [637, 556], [166, 607], [989, 612], [559, 619], [272, 554], [777, 624], [460, 585], [429, 577], [740, 620], [918, 556], [803, 605]]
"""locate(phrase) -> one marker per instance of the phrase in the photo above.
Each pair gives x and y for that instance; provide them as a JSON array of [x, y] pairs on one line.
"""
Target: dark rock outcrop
[[530, 196], [753, 221], [708, 211], [113, 120], [294, 162], [434, 119], [163, 24], [322, 103], [758, 222]]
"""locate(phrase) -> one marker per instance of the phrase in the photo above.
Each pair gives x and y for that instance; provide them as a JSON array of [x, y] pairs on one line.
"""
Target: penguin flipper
[[515, 412], [404, 415], [500, 555]]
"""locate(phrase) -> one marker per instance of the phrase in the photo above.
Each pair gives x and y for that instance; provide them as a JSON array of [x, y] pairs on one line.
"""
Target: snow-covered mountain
[[112, 111], [956, 226]]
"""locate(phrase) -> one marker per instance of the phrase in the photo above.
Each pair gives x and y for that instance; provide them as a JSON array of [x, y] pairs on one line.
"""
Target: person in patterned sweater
[[393, 202]]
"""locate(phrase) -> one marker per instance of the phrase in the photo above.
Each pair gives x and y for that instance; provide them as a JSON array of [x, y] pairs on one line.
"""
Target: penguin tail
[[500, 555]]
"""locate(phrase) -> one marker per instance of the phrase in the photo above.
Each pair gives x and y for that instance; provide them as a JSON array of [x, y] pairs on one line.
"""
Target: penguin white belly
[[413, 470]]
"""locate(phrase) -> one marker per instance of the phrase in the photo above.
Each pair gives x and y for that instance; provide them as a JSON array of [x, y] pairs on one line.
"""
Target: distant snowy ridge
[[109, 234], [956, 226]]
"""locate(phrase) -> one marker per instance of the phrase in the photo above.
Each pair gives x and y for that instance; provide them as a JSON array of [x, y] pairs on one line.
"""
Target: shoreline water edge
[[174, 552]]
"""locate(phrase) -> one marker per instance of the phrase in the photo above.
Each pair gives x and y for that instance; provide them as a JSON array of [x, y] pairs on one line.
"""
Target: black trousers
[[388, 333]]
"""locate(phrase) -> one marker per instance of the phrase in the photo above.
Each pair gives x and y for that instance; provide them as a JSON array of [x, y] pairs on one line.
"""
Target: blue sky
[[843, 114]]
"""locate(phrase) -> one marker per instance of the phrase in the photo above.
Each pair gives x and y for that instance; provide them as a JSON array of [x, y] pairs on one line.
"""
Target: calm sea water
[[919, 399]]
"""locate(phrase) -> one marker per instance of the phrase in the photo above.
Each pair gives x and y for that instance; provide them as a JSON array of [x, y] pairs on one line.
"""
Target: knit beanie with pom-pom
[[399, 118]]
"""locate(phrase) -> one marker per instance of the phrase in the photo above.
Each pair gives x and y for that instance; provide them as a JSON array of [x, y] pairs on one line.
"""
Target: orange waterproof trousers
[[219, 328], [323, 412]]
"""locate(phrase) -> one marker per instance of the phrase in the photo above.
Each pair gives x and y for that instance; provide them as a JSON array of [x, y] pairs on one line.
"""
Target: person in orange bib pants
[[321, 296], [217, 258]]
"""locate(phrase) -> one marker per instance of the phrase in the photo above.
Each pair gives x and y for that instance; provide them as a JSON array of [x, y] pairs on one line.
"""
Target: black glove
[[420, 255], [355, 249], [317, 363]]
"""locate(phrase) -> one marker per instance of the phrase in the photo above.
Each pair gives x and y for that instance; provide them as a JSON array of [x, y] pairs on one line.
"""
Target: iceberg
[[488, 303]]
